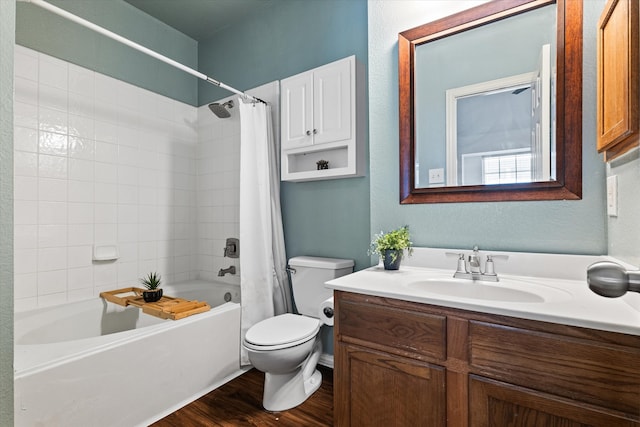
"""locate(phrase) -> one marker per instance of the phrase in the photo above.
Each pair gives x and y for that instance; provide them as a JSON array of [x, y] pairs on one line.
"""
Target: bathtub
[[95, 363]]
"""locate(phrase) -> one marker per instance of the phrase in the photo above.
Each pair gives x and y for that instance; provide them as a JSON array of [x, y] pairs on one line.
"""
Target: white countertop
[[571, 302]]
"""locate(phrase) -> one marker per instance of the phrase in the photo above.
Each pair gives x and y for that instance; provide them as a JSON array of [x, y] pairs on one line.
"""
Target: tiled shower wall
[[99, 161], [218, 190], [218, 182]]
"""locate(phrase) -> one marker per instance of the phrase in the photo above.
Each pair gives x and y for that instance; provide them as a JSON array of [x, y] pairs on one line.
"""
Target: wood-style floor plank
[[239, 403]]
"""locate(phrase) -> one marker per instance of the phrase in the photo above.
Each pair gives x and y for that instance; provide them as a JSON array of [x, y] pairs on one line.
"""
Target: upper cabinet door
[[297, 111], [332, 102], [618, 63]]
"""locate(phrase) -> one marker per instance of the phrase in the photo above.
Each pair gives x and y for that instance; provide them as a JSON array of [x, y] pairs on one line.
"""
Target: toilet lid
[[282, 329]]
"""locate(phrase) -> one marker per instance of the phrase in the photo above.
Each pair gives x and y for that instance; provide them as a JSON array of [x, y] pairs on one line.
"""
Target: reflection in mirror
[[483, 99]]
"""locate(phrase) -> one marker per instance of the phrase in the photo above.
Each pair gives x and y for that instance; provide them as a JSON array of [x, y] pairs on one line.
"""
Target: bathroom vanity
[[406, 355]]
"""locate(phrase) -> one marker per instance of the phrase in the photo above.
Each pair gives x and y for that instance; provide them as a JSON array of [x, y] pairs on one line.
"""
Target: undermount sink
[[507, 291]]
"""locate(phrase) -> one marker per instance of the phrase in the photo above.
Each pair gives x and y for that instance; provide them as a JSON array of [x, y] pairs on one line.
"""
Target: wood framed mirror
[[426, 176]]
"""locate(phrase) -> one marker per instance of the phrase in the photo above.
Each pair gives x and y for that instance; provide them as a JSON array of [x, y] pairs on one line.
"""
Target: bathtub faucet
[[224, 271]]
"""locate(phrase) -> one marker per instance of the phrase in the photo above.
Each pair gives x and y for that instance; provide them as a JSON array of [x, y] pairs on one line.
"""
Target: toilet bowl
[[287, 347], [288, 358]]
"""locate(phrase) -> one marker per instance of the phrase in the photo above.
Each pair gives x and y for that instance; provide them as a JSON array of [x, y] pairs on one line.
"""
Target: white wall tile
[[25, 212], [52, 166], [52, 259], [52, 213], [25, 188], [26, 91], [25, 63], [106, 172], [98, 161], [80, 278], [81, 148], [25, 139], [25, 236], [52, 190], [81, 170], [25, 115], [81, 126], [52, 236], [106, 193], [52, 143], [25, 163], [80, 191], [80, 213], [52, 282], [81, 81], [25, 286], [105, 213], [52, 110], [53, 72], [25, 261], [79, 256], [80, 234]]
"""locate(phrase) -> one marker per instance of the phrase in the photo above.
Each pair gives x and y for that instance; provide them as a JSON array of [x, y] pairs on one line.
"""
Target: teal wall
[[322, 218], [7, 41], [577, 227], [41, 30]]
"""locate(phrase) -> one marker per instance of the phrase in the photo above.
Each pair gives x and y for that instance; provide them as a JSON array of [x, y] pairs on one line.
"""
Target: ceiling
[[200, 19]]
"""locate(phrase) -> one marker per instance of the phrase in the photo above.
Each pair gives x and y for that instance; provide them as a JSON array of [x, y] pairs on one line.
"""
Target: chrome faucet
[[474, 261], [472, 269], [223, 271]]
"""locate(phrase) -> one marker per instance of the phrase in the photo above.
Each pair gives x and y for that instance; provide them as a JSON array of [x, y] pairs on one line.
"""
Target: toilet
[[287, 347]]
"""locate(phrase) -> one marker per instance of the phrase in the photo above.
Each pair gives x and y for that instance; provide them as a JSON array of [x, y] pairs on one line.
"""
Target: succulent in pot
[[151, 283], [391, 246]]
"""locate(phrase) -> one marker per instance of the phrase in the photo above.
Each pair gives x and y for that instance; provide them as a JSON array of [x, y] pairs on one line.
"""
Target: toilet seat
[[285, 330]]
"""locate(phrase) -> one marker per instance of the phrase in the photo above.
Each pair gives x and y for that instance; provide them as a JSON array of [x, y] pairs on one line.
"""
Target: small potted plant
[[391, 246], [152, 284]]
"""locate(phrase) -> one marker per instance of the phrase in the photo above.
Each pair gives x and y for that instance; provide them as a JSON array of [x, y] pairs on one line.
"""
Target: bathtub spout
[[224, 271]]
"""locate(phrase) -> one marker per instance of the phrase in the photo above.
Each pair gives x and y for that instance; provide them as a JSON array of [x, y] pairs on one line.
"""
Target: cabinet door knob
[[315, 131], [308, 132]]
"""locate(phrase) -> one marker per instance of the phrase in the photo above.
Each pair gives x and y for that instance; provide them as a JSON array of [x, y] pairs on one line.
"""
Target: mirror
[[491, 104]]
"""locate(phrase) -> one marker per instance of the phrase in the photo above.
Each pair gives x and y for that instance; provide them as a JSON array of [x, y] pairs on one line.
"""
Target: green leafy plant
[[152, 281], [395, 240]]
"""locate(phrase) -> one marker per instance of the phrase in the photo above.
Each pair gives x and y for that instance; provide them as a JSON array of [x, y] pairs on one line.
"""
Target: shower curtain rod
[[138, 47]]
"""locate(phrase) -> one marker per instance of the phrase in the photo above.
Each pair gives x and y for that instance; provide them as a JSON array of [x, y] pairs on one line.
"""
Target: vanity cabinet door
[[618, 72], [494, 403], [378, 389]]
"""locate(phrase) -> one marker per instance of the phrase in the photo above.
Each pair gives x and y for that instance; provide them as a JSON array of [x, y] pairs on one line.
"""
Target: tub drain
[[227, 296]]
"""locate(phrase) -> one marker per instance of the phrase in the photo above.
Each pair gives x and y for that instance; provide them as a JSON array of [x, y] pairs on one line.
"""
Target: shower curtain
[[263, 275]]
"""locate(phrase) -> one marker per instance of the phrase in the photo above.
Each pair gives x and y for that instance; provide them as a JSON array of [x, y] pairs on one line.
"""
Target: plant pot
[[152, 296], [392, 258]]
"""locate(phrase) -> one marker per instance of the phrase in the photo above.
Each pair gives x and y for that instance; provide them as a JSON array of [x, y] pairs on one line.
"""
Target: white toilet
[[287, 347]]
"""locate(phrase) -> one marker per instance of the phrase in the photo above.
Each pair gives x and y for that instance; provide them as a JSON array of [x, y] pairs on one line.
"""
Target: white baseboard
[[326, 360]]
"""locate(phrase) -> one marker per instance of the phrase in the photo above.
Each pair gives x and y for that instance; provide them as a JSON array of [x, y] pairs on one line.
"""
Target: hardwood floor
[[239, 403]]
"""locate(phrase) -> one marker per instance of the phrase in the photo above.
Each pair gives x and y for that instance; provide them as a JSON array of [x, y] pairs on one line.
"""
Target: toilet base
[[285, 391]]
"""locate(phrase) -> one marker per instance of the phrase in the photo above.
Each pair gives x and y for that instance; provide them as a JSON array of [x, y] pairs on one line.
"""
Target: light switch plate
[[436, 176], [612, 196]]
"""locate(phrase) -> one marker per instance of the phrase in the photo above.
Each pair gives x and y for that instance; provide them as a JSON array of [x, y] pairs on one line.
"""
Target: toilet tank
[[308, 276]]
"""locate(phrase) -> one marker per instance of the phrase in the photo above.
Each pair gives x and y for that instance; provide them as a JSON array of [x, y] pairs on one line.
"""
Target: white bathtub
[[94, 363]]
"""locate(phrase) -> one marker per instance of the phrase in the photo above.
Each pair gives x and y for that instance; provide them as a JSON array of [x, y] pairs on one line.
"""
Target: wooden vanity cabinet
[[399, 363]]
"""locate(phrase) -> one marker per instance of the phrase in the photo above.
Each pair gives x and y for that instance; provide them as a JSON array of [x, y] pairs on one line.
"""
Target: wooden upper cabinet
[[618, 66]]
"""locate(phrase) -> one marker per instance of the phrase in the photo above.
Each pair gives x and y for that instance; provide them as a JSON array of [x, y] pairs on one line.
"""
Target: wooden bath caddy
[[166, 307]]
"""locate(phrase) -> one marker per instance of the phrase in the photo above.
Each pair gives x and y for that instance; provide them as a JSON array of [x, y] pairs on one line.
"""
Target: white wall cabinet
[[323, 120]]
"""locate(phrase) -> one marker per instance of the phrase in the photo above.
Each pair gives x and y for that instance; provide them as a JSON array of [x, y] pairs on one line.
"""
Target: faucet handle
[[489, 266], [462, 265]]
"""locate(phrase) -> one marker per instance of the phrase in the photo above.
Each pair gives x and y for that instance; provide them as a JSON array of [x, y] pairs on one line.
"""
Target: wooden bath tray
[[166, 307]]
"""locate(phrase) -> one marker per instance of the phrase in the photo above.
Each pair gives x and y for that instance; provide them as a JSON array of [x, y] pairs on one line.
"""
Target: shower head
[[221, 110]]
